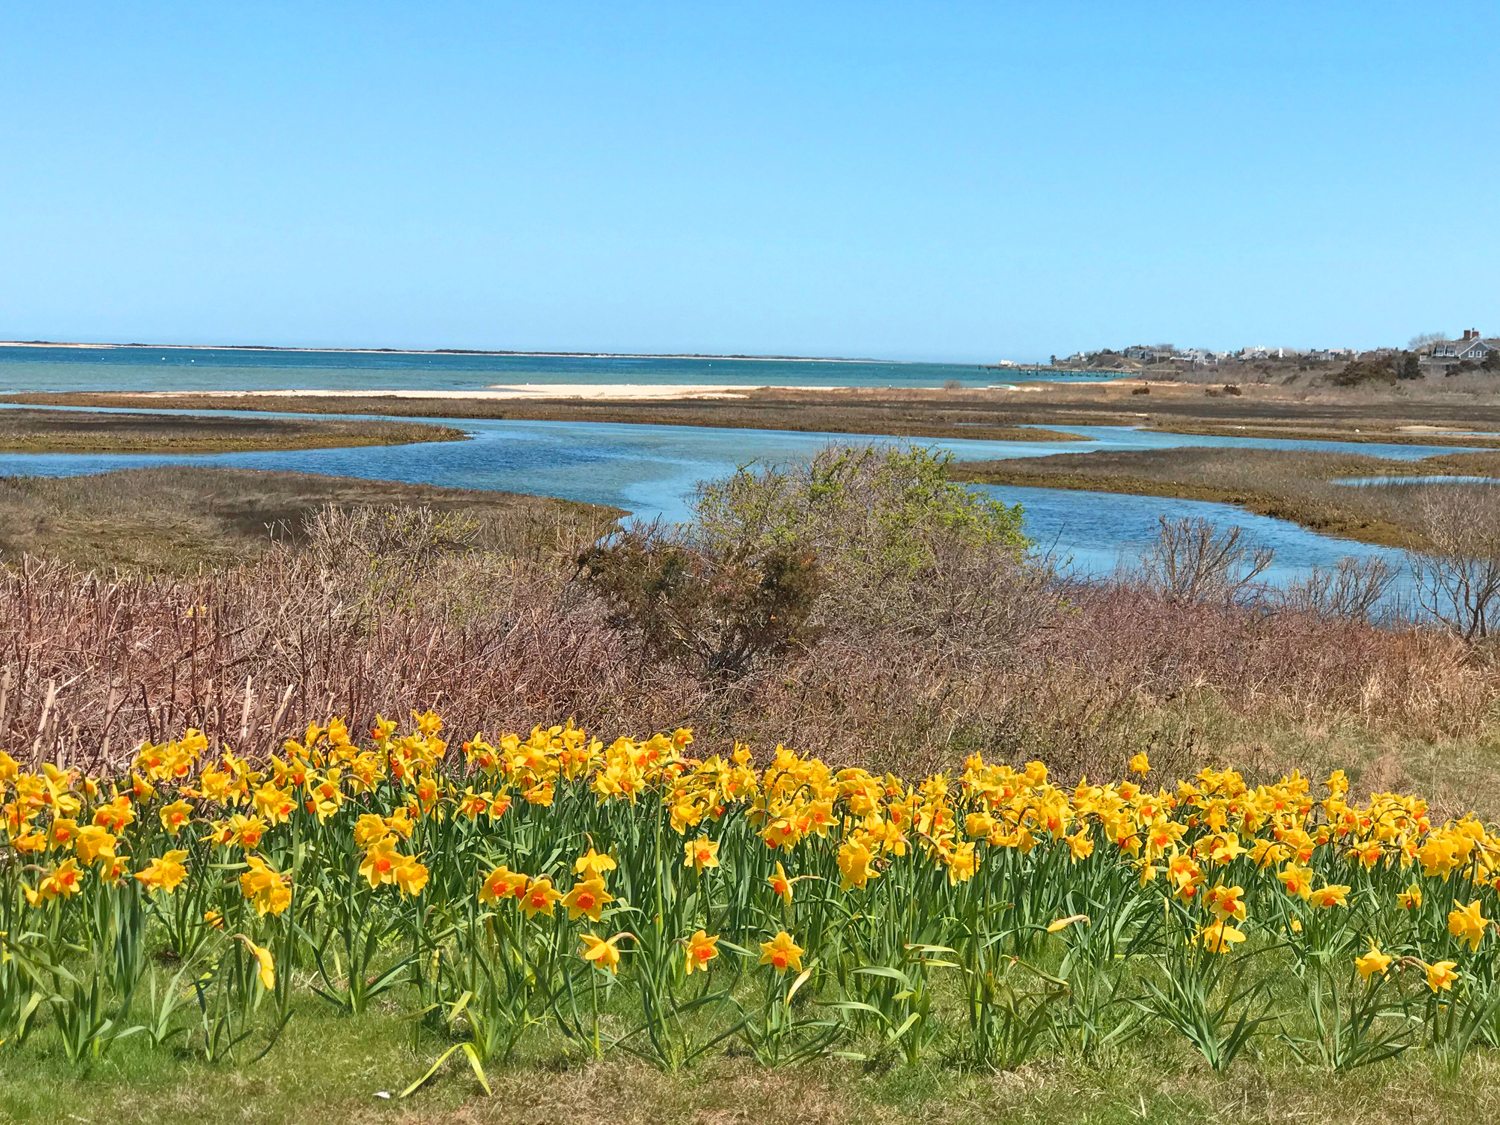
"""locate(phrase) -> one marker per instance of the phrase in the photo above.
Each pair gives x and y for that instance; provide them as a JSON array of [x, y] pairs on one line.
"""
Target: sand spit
[[623, 392]]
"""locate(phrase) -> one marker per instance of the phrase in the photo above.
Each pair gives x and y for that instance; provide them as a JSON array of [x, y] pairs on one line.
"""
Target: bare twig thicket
[[914, 657], [1193, 560], [1457, 575]]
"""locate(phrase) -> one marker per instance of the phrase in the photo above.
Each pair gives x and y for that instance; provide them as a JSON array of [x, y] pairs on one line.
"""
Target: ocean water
[[650, 471], [182, 369]]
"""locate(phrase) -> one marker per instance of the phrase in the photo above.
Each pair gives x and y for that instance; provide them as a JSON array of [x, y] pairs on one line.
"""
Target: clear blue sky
[[924, 180]]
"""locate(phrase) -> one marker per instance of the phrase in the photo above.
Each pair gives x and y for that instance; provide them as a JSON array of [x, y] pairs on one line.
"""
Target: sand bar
[[636, 392]]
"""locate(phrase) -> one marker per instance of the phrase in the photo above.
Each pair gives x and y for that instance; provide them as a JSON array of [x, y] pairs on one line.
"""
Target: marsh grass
[[180, 520], [837, 410], [66, 431]]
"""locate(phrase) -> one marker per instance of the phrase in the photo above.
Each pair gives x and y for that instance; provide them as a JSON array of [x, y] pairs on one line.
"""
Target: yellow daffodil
[[1226, 902], [165, 872], [781, 953], [265, 887], [593, 865], [411, 876], [175, 815], [1330, 895], [1297, 880], [1467, 924], [378, 867], [701, 853], [61, 882], [539, 897], [94, 843], [1441, 975], [781, 886], [701, 949], [587, 899], [602, 952], [267, 966], [1373, 963], [855, 860], [1220, 937], [502, 883]]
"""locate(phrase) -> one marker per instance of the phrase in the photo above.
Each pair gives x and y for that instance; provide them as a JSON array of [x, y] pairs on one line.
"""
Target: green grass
[[327, 1067], [67, 431]]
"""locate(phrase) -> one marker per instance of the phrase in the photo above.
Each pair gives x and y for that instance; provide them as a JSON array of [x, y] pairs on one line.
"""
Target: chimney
[[1469, 334]]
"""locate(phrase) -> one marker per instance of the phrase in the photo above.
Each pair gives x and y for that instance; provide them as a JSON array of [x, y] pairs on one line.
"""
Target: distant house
[[1472, 347], [1148, 353]]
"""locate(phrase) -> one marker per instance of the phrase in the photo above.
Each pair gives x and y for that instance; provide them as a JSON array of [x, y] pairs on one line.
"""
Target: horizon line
[[753, 356]]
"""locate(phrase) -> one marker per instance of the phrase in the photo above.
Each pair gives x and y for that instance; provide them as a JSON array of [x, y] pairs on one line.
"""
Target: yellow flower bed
[[634, 897]]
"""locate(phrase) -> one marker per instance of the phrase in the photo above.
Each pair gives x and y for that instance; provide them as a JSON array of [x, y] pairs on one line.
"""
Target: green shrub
[[871, 540]]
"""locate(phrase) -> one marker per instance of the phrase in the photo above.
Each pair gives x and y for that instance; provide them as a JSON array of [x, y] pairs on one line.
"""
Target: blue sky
[[912, 181]]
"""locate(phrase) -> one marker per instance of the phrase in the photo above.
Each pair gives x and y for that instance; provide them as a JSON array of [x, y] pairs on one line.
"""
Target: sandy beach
[[623, 392]]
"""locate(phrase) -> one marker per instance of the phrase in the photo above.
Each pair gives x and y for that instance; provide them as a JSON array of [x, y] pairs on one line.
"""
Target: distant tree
[[1422, 339], [1491, 362], [1409, 367]]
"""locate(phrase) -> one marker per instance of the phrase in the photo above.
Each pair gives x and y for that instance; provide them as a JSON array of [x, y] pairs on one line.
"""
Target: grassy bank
[[68, 431], [902, 414], [1284, 484], [334, 1068], [180, 519]]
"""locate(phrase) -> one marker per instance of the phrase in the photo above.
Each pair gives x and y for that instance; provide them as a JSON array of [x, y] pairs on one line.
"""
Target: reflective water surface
[[650, 471]]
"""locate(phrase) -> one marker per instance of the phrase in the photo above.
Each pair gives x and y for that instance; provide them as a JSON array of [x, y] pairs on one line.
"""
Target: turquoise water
[[1093, 533], [650, 471], [172, 369]]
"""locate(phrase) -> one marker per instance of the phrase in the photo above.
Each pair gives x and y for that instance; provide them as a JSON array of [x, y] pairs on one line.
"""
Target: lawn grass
[[176, 519], [69, 431], [334, 1068]]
